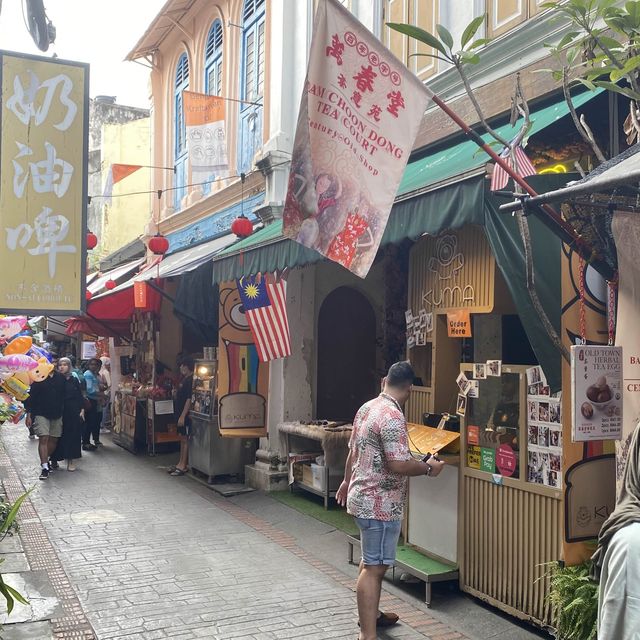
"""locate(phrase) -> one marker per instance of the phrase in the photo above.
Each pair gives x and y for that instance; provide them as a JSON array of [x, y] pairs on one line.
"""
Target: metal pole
[[597, 184]]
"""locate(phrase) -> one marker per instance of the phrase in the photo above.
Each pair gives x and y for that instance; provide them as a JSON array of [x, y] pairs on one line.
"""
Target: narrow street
[[135, 553]]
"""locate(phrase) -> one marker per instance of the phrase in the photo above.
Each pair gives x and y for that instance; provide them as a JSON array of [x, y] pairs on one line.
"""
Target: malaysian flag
[[523, 168], [265, 306]]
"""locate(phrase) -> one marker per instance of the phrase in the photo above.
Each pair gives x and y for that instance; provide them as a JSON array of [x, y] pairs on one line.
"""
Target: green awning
[[265, 251], [464, 158], [451, 187]]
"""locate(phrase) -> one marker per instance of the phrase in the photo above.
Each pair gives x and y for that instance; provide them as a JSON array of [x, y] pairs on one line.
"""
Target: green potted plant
[[573, 596]]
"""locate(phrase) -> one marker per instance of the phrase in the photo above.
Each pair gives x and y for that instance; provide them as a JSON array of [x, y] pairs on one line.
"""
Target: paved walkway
[[133, 553]]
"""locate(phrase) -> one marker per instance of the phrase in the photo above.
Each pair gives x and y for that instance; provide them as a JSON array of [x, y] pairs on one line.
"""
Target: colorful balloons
[[18, 345], [17, 389], [37, 353], [17, 362], [42, 370], [10, 325]]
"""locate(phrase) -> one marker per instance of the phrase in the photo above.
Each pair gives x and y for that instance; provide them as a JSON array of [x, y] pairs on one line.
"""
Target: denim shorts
[[378, 540]]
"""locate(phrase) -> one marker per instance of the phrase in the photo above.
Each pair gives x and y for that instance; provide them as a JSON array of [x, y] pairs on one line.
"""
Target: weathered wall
[[101, 114], [125, 218]]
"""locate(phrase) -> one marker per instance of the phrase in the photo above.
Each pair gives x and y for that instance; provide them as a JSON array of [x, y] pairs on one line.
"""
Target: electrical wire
[[186, 186]]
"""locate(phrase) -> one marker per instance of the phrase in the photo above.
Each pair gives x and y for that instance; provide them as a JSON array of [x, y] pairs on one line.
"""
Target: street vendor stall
[[488, 515]]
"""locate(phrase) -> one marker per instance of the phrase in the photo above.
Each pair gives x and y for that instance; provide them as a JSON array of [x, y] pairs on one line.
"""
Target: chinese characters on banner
[[359, 116], [43, 194], [206, 134]]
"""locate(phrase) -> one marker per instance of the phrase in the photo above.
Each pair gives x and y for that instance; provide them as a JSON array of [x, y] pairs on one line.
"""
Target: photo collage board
[[544, 432]]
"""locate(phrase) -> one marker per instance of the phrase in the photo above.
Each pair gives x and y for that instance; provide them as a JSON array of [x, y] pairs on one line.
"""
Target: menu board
[[596, 387]]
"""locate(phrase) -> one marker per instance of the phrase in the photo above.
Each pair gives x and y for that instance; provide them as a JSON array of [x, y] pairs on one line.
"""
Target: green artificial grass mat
[[417, 560], [313, 506]]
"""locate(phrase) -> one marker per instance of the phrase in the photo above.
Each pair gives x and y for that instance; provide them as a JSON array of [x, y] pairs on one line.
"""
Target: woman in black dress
[[69, 445]]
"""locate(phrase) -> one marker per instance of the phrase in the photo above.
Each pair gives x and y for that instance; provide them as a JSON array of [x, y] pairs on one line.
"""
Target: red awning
[[111, 329]]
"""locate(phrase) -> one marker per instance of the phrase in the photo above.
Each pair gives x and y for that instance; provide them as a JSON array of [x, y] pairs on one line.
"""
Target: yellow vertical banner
[[43, 191]]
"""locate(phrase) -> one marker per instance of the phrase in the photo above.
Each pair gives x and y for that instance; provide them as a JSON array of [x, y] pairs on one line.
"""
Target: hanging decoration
[[158, 245], [88, 295], [110, 284], [92, 240], [242, 226]]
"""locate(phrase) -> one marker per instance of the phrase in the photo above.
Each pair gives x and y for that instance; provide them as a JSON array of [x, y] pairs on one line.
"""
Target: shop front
[[476, 339]]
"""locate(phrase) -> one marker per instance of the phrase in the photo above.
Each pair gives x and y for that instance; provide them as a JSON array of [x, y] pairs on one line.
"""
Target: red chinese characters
[[375, 112], [396, 101], [342, 81], [356, 98], [364, 78], [336, 49]]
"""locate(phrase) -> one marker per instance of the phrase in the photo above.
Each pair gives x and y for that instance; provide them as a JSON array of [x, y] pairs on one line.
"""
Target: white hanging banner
[[359, 117], [204, 118], [626, 233]]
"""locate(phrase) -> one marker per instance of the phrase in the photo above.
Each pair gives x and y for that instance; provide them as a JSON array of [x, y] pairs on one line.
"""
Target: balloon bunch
[[21, 364]]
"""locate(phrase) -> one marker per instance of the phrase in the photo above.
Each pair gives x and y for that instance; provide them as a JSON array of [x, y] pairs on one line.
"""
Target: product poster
[[544, 440], [596, 385]]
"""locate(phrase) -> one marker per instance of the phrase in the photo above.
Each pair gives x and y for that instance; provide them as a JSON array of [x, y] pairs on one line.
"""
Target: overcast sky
[[98, 32]]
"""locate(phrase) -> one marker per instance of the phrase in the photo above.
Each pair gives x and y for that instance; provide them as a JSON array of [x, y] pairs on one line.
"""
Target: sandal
[[171, 469], [386, 619], [178, 472]]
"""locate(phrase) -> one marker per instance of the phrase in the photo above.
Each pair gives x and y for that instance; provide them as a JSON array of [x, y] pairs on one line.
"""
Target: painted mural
[[243, 381]]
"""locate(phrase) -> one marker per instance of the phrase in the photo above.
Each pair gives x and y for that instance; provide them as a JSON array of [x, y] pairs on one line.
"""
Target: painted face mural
[[243, 381]]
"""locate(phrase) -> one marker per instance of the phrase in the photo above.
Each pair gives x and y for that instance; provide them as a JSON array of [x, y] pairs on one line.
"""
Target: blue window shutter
[[251, 83], [180, 137]]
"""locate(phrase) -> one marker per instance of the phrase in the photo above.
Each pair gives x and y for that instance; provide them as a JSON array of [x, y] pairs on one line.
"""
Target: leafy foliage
[[603, 46], [7, 526], [574, 599], [443, 44]]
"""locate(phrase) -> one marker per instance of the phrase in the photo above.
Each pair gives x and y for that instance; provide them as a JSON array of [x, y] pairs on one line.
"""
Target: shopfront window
[[493, 424]]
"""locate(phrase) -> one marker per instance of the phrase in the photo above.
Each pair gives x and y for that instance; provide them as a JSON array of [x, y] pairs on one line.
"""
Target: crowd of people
[[67, 410]]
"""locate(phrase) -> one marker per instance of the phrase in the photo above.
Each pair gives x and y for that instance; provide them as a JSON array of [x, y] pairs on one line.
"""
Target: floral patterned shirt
[[379, 435]]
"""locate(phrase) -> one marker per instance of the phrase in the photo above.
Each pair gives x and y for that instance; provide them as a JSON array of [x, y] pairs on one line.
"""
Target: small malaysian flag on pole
[[265, 305], [523, 167]]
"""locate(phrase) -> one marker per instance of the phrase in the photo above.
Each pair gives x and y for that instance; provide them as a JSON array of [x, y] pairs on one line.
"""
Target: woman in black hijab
[[69, 445], [616, 562]]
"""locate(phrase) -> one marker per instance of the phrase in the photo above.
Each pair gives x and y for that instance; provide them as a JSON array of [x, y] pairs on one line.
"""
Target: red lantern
[[242, 227], [88, 295], [92, 240], [159, 245], [110, 284]]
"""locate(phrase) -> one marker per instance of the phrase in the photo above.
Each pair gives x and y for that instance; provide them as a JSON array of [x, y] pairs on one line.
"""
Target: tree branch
[[467, 86], [584, 131]]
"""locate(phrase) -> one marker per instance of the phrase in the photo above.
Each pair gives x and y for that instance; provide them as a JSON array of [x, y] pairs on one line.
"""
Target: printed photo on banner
[[461, 407], [479, 371], [463, 383], [544, 436], [494, 368], [359, 116], [535, 375]]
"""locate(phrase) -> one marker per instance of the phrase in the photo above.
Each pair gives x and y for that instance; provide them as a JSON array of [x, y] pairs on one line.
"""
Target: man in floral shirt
[[374, 488]]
